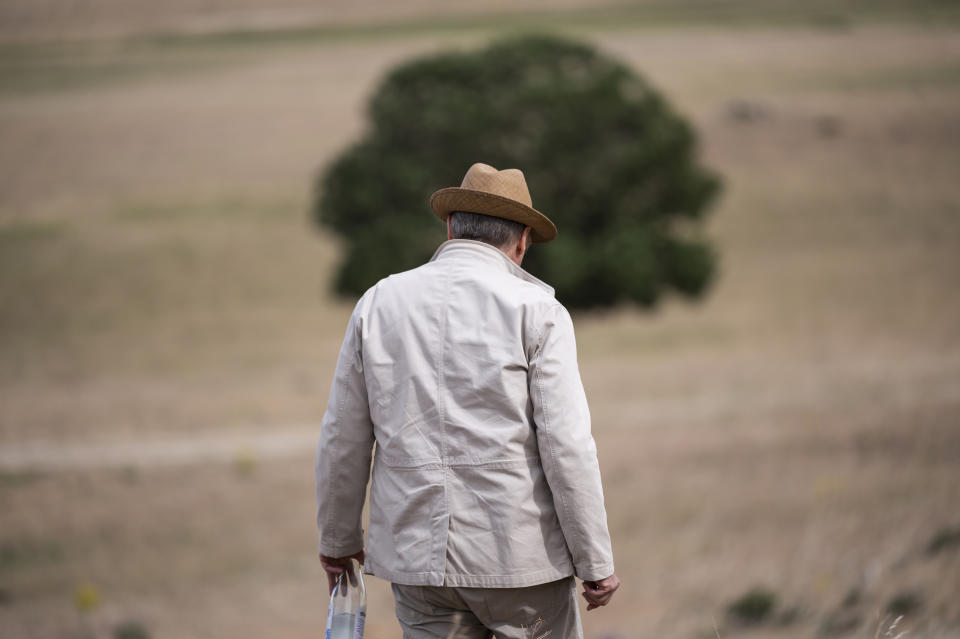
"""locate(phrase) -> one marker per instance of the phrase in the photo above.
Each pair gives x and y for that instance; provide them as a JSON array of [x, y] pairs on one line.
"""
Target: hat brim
[[455, 198]]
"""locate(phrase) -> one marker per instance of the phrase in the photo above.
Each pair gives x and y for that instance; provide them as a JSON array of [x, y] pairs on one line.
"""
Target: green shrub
[[752, 607], [905, 603], [945, 539], [604, 154], [130, 630]]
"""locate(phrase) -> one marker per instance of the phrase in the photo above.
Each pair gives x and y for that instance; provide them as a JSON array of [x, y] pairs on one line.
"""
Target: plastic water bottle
[[348, 605]]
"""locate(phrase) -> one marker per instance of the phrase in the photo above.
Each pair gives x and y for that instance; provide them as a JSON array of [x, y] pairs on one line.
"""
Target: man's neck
[[516, 259]]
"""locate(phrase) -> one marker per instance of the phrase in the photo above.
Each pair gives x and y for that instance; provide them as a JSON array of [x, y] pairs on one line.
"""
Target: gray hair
[[485, 228]]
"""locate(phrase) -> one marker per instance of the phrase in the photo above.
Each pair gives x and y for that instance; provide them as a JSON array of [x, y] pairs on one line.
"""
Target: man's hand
[[599, 593], [335, 566]]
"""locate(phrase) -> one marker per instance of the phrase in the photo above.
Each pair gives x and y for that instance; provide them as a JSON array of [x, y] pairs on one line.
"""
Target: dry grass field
[[167, 337]]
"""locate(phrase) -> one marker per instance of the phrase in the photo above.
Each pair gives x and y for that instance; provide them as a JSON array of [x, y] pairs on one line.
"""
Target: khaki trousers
[[535, 612]]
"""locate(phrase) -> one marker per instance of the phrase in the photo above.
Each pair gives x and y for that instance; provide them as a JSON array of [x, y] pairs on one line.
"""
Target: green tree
[[604, 154]]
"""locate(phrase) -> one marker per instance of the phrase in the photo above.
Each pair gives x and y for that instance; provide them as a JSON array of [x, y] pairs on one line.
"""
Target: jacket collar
[[489, 254]]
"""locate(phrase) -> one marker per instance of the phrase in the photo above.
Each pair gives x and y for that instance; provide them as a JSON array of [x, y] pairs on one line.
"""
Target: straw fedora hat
[[501, 194]]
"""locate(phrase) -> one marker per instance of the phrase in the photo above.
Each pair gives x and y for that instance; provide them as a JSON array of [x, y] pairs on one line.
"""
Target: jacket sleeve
[[567, 449], [344, 451]]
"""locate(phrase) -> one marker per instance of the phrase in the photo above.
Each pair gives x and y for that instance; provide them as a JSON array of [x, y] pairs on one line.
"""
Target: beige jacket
[[464, 373]]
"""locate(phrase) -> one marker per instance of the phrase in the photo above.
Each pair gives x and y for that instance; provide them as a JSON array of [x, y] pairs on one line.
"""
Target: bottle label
[[360, 620]]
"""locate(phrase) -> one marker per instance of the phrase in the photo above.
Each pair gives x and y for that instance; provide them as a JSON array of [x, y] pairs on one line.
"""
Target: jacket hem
[[434, 578]]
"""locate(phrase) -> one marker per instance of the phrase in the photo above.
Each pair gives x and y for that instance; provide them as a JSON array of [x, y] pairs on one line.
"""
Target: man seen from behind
[[485, 497]]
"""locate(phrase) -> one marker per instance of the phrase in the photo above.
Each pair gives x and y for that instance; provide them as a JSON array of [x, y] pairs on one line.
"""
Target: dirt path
[[236, 446]]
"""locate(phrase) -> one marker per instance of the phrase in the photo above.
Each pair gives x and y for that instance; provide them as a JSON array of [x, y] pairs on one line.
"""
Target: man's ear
[[449, 232], [524, 243]]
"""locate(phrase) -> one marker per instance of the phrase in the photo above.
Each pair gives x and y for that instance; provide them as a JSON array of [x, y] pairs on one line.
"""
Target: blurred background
[[781, 456]]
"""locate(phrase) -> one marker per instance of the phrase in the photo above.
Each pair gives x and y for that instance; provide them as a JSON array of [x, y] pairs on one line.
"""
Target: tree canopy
[[604, 154]]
